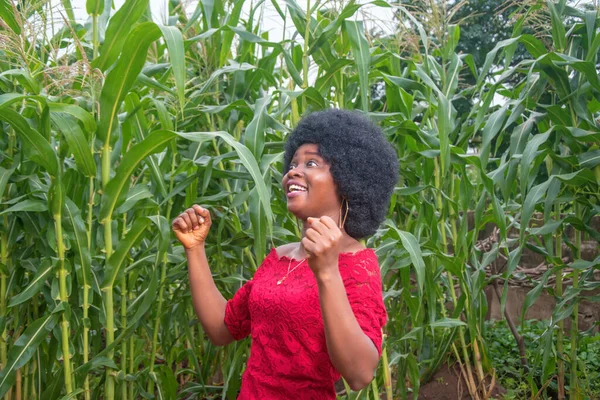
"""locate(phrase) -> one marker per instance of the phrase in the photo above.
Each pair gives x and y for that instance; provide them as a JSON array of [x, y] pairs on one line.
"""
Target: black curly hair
[[363, 163]]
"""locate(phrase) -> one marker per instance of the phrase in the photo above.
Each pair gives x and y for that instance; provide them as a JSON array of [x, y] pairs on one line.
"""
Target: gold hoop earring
[[341, 222]]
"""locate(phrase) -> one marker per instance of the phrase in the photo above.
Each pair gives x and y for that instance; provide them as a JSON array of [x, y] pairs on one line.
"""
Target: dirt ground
[[446, 385]]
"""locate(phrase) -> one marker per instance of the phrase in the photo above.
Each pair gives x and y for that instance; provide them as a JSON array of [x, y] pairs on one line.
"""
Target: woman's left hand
[[322, 241]]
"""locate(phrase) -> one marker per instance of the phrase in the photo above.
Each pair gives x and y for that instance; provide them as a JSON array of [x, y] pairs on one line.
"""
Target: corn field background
[[109, 129]]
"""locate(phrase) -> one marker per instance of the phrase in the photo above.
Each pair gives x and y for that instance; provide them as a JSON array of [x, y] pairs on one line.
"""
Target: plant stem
[[124, 320], [131, 354], [574, 384], [18, 383], [470, 381], [511, 325], [561, 327], [108, 295], [387, 374], [163, 275], [95, 34], [305, 55], [110, 337], [4, 259], [3, 277], [26, 383], [86, 290], [62, 277]]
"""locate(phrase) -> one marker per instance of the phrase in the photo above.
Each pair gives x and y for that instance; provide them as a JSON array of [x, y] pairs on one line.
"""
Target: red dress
[[288, 355]]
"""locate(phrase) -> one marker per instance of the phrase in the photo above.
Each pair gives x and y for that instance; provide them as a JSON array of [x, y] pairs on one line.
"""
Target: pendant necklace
[[288, 271]]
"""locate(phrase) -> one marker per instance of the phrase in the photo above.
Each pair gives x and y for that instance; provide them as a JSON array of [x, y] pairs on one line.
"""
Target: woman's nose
[[294, 171]]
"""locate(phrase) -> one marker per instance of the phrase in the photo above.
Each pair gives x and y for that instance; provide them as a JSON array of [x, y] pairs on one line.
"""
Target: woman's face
[[309, 186]]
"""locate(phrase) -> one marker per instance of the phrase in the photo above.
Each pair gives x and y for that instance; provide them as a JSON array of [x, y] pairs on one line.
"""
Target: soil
[[446, 385]]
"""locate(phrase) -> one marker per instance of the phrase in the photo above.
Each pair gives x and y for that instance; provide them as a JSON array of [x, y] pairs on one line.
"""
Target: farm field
[[110, 128]]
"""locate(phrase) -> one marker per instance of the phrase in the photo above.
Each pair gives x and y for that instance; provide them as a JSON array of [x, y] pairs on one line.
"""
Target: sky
[[272, 22]]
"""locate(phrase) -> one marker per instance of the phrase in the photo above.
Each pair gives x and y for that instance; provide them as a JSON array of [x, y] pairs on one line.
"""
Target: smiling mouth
[[296, 188]]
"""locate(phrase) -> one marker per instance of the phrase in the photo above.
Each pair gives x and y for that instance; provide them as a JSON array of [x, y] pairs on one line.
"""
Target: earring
[[341, 222]]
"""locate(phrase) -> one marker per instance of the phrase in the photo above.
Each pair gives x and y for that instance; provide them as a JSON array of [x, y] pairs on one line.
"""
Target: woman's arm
[[191, 228], [209, 303], [351, 351]]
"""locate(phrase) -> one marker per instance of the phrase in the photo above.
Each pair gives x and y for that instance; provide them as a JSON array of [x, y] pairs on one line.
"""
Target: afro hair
[[363, 163]]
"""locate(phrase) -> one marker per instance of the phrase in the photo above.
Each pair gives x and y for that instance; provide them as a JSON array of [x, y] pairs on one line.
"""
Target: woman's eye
[[291, 167], [311, 163]]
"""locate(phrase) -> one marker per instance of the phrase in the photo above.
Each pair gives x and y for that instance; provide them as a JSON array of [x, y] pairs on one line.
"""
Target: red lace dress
[[288, 355]]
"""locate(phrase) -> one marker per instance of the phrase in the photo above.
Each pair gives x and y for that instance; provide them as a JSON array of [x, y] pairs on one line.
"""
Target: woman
[[314, 308]]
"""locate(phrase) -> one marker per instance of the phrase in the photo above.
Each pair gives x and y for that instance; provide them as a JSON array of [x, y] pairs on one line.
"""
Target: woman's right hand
[[191, 226]]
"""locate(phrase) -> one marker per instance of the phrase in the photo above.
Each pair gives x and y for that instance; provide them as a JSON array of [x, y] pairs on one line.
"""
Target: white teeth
[[295, 188]]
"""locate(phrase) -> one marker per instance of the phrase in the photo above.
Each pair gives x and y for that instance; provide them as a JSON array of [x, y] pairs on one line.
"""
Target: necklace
[[289, 272]]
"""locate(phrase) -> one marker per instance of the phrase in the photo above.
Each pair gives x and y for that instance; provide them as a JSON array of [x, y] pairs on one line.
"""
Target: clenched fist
[[322, 242], [191, 226]]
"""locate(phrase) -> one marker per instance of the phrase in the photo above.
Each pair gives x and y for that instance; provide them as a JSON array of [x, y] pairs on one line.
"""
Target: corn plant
[[111, 128]]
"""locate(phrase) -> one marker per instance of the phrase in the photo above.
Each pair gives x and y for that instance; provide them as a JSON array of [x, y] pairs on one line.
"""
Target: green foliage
[[504, 356], [109, 130]]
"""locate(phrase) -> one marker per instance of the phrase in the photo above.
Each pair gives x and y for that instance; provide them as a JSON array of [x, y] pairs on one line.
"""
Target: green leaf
[[588, 159], [534, 293], [115, 262], [114, 193], [120, 79], [410, 243], [534, 46], [174, 41], [254, 137], [331, 29], [35, 284], [24, 348], [139, 125], [492, 127], [547, 228], [25, 79], [137, 193], [149, 298], [407, 191], [87, 119], [491, 56], [362, 57], [164, 230], [36, 146], [4, 177], [8, 16], [259, 227], [452, 75], [56, 197], [234, 67], [247, 160], [233, 19], [559, 37], [404, 83], [80, 244], [118, 28], [529, 154], [27, 205], [533, 197], [77, 142], [447, 323], [94, 7], [445, 128]]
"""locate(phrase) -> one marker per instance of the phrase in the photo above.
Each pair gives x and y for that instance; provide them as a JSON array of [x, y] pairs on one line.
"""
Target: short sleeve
[[364, 290], [237, 312]]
